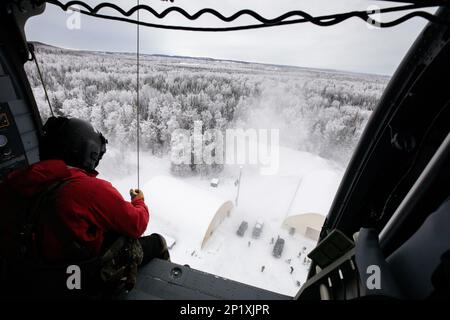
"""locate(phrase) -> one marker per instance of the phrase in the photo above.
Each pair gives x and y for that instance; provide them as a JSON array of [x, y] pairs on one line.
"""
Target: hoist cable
[[33, 56], [137, 99], [325, 20]]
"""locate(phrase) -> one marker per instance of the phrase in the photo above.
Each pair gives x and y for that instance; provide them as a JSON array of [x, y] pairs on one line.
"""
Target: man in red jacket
[[87, 213]]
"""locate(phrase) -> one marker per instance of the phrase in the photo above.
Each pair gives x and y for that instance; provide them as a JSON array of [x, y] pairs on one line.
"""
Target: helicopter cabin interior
[[390, 205]]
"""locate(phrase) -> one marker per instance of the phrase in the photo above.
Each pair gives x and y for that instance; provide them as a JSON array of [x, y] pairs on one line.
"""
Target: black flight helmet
[[73, 140]]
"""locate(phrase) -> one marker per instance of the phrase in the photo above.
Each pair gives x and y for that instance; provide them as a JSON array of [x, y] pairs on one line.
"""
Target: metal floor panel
[[161, 279]]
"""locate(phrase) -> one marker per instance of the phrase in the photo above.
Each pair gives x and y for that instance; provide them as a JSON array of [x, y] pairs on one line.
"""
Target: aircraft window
[[255, 127]]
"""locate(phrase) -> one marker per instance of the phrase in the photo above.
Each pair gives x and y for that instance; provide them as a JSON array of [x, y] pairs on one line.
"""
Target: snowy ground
[[264, 198]]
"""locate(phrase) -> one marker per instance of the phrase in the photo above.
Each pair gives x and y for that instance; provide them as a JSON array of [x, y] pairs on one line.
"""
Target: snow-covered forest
[[319, 111]]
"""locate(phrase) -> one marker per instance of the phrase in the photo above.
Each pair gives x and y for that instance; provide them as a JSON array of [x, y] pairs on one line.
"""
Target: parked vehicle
[[278, 248], [242, 228], [257, 229], [214, 183]]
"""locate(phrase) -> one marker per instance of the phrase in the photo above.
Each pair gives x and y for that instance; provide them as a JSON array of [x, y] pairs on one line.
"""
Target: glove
[[136, 194]]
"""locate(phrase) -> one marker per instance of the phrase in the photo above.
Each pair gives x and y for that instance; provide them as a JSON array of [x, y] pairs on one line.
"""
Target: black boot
[[154, 246]]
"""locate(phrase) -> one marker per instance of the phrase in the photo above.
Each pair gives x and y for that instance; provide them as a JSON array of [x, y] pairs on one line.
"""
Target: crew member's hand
[[136, 194]]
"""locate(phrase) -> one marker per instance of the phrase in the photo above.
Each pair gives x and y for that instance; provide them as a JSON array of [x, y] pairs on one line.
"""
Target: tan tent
[[308, 224], [192, 210], [311, 203]]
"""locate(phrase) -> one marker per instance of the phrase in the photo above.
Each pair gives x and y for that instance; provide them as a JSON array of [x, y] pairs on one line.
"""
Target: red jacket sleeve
[[107, 208], [128, 218]]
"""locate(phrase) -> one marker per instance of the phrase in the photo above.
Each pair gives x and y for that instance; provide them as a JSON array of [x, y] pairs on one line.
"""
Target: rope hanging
[[33, 57], [137, 99]]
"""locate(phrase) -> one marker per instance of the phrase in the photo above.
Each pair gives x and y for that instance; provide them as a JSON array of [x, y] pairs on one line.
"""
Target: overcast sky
[[350, 46]]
